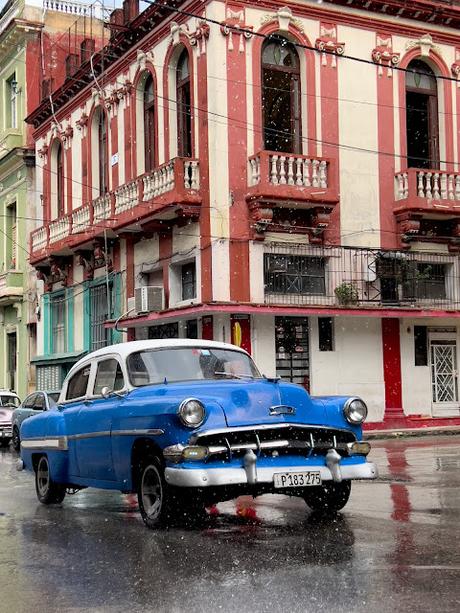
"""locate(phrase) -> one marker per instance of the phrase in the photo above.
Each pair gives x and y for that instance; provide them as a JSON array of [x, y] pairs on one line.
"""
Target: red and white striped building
[[282, 175]]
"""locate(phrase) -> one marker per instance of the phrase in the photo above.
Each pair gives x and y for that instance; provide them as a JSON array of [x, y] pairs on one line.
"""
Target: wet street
[[393, 548]]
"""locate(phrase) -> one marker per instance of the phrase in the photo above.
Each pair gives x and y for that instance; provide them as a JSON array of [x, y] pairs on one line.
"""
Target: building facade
[[30, 36], [282, 176]]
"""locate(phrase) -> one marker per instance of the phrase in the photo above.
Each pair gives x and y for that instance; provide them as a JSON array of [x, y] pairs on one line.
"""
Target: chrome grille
[[287, 439]]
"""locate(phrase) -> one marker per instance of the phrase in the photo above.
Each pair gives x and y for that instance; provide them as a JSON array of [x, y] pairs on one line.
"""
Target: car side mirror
[[106, 392]]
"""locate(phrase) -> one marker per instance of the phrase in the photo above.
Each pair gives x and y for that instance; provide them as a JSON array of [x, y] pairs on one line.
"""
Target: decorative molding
[[455, 68], [142, 58], [82, 123], [55, 272], [285, 19], [197, 38], [67, 135], [43, 152], [233, 26], [383, 54], [426, 45], [328, 45]]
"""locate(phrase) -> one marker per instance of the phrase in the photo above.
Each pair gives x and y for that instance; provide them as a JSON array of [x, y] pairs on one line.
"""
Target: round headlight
[[355, 411], [191, 413]]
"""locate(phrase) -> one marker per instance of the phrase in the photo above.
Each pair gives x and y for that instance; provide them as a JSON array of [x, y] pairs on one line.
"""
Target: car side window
[[39, 404], [109, 374], [78, 384], [29, 402]]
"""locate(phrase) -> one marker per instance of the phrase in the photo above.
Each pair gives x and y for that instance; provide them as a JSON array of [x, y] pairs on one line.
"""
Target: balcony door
[[281, 97], [422, 125]]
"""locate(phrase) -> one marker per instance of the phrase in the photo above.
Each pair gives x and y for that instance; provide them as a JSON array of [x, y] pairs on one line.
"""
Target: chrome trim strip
[[151, 432], [56, 443], [212, 477], [197, 435], [134, 432], [61, 442], [79, 437]]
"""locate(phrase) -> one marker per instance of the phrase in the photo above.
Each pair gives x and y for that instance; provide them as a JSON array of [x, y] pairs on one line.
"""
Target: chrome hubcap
[[151, 492], [43, 477]]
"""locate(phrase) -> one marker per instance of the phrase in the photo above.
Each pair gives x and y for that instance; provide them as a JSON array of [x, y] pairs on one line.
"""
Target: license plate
[[304, 479]]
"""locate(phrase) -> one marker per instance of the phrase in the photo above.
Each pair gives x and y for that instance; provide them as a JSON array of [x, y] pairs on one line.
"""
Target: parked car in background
[[186, 423], [8, 402], [34, 404]]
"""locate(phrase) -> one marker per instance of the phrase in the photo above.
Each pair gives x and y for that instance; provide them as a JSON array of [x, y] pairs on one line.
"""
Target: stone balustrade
[[288, 169], [427, 184], [59, 229], [39, 239], [102, 208], [81, 219], [126, 197], [176, 181]]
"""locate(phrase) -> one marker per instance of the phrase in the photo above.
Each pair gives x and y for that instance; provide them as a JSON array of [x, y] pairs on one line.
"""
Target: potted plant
[[346, 293]]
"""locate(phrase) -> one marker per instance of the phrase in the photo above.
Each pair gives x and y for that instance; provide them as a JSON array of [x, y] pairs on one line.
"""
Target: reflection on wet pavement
[[393, 548]]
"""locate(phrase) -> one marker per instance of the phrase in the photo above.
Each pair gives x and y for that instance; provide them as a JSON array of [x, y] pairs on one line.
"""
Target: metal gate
[[99, 313], [443, 358], [292, 349]]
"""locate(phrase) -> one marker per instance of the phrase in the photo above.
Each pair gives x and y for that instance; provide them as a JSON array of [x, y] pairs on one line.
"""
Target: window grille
[[295, 274], [99, 314]]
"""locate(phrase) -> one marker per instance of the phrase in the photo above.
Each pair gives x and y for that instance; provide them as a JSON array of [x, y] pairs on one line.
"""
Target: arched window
[[60, 181], [183, 98], [422, 116], [149, 124], [103, 153], [281, 96]]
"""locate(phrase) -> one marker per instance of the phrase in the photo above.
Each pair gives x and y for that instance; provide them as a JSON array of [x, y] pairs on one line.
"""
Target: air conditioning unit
[[149, 298], [131, 305]]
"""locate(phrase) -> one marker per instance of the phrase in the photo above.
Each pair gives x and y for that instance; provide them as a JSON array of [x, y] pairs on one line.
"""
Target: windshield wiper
[[232, 376]]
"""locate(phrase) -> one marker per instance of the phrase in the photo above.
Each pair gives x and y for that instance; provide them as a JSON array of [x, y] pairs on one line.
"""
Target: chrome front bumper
[[212, 477]]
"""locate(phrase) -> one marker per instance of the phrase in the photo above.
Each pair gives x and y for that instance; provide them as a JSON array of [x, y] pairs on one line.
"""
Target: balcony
[[165, 195], [358, 278], [427, 206], [280, 182], [11, 287]]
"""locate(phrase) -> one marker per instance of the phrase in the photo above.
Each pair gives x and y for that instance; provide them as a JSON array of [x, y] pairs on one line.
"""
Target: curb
[[410, 432]]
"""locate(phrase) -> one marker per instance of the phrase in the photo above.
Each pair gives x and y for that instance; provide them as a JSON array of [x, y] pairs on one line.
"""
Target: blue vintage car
[[186, 423]]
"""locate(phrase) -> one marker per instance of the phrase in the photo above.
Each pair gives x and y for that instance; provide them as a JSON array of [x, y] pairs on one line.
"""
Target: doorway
[[12, 345], [444, 374], [292, 350]]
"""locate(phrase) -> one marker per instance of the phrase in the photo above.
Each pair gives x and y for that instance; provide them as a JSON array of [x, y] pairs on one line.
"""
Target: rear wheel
[[48, 492], [4, 442], [16, 439], [330, 497]]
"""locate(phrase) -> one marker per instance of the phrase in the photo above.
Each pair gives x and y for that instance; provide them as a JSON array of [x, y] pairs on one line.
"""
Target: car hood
[[6, 415], [248, 402]]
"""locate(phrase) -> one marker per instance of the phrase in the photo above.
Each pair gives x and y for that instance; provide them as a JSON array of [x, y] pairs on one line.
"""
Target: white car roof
[[123, 350], [8, 393]]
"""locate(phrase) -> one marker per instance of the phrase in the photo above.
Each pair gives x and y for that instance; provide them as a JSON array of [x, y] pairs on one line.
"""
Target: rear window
[[9, 401]]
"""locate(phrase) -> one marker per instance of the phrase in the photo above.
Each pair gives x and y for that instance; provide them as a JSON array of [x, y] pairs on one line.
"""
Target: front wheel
[[16, 439], [152, 493], [48, 492], [330, 497]]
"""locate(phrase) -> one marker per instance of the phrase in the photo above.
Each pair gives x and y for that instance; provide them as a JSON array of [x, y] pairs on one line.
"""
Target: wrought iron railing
[[297, 274]]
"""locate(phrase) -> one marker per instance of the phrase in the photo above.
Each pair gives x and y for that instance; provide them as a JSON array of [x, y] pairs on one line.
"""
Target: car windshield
[[53, 397], [9, 401], [188, 364]]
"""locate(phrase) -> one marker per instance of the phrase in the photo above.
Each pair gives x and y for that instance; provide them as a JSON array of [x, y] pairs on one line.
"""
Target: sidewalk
[[406, 432]]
